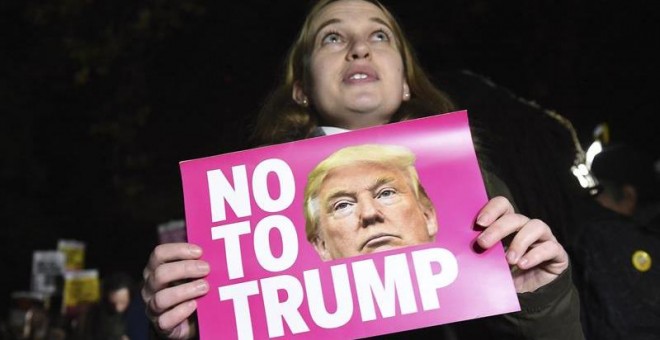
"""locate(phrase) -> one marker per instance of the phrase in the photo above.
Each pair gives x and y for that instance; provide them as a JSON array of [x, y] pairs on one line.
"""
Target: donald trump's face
[[367, 207]]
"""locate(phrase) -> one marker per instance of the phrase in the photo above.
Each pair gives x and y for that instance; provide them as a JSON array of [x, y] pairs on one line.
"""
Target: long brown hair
[[281, 119]]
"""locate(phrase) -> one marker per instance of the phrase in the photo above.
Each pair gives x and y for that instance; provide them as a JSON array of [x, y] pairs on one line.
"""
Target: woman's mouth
[[360, 74]]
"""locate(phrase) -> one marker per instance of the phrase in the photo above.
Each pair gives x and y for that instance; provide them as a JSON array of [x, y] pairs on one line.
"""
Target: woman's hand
[[535, 256], [173, 278]]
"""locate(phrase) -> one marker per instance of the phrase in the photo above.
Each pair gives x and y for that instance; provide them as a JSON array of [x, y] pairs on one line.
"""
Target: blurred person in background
[[616, 263], [107, 320]]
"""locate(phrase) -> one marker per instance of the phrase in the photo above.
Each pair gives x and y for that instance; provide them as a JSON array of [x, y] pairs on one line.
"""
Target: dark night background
[[100, 100]]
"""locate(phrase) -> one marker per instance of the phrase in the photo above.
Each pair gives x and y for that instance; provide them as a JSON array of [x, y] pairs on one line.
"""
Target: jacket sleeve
[[551, 312]]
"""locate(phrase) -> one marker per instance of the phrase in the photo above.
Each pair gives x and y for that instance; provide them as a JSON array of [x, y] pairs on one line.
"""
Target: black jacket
[[620, 297]]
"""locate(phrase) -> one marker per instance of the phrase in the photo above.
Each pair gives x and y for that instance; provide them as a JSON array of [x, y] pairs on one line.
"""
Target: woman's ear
[[298, 95]]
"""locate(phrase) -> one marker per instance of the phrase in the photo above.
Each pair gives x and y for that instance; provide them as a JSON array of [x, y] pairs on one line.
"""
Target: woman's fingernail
[[192, 304], [484, 237], [203, 267], [481, 219], [202, 287], [195, 250], [511, 256]]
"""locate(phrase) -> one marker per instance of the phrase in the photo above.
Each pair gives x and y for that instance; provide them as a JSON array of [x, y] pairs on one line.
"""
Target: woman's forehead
[[347, 10]]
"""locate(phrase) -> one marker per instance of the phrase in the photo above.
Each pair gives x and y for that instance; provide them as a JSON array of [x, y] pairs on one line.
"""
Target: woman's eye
[[331, 38], [381, 36]]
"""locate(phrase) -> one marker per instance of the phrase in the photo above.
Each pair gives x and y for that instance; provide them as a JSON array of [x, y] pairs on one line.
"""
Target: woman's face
[[356, 67]]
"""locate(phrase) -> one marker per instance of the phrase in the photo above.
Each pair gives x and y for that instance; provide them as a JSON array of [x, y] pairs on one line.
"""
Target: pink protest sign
[[385, 250]]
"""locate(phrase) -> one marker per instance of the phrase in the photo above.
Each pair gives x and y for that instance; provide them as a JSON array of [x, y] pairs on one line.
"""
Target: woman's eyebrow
[[382, 22], [336, 21], [324, 24]]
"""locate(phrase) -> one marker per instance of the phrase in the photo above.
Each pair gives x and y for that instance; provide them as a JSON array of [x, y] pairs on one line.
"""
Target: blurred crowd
[[116, 313], [65, 300]]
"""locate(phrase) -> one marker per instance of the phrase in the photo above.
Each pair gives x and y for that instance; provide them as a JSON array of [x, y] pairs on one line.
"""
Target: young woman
[[351, 67]]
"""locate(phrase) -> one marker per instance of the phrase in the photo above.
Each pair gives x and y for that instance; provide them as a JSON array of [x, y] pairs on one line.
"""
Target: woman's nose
[[359, 50]]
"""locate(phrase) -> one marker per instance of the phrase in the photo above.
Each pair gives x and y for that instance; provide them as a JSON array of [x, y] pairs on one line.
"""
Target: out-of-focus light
[[581, 172], [595, 148], [585, 178], [602, 133], [581, 168]]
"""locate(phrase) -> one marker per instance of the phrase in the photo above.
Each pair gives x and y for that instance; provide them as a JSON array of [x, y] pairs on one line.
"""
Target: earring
[[304, 102], [406, 95]]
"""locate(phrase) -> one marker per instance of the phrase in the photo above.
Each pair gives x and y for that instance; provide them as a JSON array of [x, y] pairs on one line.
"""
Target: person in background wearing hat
[[617, 265]]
